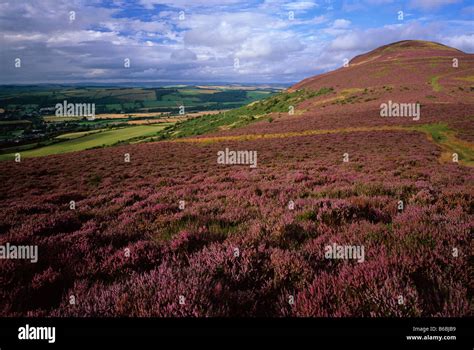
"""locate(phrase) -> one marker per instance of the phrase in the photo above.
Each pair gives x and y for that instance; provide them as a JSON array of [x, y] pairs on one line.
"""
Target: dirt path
[[437, 133]]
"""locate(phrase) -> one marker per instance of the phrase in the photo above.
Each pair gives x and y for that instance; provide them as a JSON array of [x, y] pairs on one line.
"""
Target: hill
[[438, 78]]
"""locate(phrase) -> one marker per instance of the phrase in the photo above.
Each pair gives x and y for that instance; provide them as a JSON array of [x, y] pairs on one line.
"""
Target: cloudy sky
[[202, 41]]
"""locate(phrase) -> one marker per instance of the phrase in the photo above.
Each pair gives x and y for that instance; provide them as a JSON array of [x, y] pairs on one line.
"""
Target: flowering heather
[[236, 247]]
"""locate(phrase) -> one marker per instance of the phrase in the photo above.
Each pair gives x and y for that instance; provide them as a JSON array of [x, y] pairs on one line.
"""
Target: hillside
[[403, 72], [173, 232]]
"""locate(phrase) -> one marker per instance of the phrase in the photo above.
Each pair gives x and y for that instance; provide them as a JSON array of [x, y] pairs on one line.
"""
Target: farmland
[[87, 140], [28, 120], [28, 99]]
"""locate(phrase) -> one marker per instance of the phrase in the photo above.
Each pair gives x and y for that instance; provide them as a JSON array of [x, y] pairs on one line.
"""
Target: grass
[[381, 73], [53, 118], [191, 91], [75, 135], [435, 84], [105, 138], [436, 131], [469, 78], [445, 137], [244, 115]]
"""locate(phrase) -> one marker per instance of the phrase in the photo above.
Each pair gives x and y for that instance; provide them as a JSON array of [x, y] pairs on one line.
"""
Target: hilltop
[[427, 65], [407, 49]]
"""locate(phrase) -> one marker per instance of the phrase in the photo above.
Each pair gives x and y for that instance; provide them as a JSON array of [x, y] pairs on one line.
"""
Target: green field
[[28, 123], [127, 100], [105, 138], [14, 122], [75, 135]]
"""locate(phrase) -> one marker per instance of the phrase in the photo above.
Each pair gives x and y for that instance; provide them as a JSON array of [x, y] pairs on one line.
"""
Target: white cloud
[[431, 4], [183, 55], [341, 23], [149, 4], [347, 42], [269, 46], [338, 27], [462, 42], [300, 5], [359, 41], [216, 32], [82, 36], [318, 19]]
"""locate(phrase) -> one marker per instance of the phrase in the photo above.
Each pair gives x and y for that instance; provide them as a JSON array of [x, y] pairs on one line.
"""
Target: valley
[[30, 120]]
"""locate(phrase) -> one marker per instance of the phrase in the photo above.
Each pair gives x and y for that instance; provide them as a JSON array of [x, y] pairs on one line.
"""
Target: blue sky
[[267, 41]]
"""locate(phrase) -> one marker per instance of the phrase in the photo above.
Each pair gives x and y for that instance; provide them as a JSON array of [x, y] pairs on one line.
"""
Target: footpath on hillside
[[438, 133]]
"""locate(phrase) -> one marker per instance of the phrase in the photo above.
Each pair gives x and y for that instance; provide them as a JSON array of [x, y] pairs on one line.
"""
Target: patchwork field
[[114, 100], [87, 140], [28, 115]]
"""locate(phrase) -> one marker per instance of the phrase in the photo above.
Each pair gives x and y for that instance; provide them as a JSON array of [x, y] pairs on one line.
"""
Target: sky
[[233, 41]]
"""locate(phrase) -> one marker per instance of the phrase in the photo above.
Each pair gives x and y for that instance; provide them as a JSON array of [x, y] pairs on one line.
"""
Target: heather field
[[165, 228], [238, 248]]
